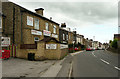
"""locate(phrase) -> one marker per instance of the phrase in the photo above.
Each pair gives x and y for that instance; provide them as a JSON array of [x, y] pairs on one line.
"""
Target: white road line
[[117, 68], [70, 72], [76, 53], [105, 61], [93, 54]]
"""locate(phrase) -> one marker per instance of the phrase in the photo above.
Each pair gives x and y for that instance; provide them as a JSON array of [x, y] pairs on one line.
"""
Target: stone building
[[26, 29], [70, 37], [63, 35]]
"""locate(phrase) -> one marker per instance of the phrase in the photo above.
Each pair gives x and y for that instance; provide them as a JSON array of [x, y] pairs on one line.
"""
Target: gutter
[[13, 24]]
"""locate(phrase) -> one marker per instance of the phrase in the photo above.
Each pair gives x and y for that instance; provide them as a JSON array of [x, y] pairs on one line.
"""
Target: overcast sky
[[90, 18]]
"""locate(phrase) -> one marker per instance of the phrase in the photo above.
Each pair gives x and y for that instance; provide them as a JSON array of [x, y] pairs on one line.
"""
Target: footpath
[[20, 68]]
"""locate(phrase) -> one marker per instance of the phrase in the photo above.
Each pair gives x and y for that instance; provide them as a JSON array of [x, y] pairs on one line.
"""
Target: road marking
[[117, 68], [70, 72], [76, 53], [104, 61], [93, 54]]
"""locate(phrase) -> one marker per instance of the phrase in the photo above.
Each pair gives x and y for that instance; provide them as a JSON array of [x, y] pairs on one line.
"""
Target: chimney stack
[[50, 18], [63, 25], [39, 11]]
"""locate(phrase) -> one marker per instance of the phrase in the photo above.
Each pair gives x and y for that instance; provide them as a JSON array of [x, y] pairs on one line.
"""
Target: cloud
[[81, 15], [89, 12]]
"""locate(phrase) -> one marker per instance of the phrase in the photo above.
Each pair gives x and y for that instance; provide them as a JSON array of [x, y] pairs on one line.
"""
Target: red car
[[88, 49], [76, 49]]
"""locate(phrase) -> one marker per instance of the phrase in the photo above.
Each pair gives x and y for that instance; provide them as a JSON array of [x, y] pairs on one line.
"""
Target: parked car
[[76, 49], [89, 49]]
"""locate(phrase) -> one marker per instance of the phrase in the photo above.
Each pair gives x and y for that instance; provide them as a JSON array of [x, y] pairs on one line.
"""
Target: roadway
[[98, 63]]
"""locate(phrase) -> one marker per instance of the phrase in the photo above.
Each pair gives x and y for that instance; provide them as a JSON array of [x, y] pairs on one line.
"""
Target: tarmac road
[[98, 64]]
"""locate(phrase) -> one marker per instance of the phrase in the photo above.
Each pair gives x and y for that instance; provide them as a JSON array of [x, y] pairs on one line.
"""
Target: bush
[[114, 43]]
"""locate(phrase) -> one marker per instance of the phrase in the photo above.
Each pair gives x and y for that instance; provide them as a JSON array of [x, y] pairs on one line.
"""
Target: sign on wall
[[55, 36], [63, 46], [29, 21], [34, 32], [5, 41], [46, 33], [51, 46]]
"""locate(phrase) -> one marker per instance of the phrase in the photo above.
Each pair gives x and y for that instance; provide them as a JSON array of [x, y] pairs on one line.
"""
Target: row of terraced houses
[[31, 32]]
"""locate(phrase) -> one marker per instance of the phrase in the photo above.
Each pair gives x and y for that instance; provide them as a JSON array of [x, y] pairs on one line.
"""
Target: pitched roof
[[26, 10]]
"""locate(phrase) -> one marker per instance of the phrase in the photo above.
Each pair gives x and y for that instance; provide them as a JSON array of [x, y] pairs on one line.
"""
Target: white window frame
[[63, 36], [67, 37], [29, 20], [36, 26], [46, 26], [54, 29]]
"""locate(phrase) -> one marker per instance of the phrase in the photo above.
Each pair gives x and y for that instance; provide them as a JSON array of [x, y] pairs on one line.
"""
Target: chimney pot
[[39, 11]]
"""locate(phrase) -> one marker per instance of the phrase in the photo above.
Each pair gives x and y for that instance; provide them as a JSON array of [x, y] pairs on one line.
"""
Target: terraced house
[[31, 32]]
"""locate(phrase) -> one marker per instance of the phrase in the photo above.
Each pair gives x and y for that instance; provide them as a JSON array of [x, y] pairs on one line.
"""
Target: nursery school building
[[31, 33]]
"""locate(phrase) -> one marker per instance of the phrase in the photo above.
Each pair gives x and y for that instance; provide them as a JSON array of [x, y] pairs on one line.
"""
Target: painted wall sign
[[51, 46], [5, 41], [34, 32], [29, 21], [63, 46], [46, 33], [55, 36]]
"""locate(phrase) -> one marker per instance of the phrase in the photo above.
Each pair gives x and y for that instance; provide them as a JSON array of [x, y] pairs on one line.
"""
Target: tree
[[114, 43]]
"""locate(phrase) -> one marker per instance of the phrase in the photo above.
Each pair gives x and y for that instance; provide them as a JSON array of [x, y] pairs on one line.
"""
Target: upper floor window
[[63, 36], [36, 25], [54, 29], [67, 37], [29, 20], [46, 26]]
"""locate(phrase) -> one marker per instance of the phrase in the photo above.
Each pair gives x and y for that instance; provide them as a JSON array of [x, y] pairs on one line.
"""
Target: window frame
[[35, 23], [54, 29], [63, 36], [46, 26]]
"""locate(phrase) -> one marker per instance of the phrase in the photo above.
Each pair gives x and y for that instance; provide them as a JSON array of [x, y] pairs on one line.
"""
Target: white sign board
[[5, 41], [51, 46], [34, 32], [63, 46], [46, 33], [29, 21], [55, 36]]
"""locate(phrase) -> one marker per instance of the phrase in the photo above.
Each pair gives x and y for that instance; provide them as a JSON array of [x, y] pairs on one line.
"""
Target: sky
[[91, 18]]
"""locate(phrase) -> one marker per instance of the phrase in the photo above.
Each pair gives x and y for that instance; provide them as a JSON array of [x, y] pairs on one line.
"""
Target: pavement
[[97, 64], [15, 67], [22, 68]]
